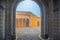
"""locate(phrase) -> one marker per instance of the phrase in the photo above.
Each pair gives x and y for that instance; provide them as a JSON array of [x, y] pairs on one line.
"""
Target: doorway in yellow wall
[[28, 20]]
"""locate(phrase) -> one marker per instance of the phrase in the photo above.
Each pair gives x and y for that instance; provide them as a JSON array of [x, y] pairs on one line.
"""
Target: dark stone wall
[[57, 12], [52, 19]]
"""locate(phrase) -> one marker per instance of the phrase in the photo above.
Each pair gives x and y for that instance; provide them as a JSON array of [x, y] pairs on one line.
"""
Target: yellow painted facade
[[27, 19]]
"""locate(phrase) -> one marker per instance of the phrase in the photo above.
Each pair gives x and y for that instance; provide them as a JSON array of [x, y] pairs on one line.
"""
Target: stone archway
[[43, 9], [10, 11], [53, 25]]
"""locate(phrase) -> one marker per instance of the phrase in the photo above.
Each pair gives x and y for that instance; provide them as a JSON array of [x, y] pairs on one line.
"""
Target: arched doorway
[[43, 14], [27, 22], [11, 21], [10, 8], [30, 13], [38, 23], [43, 10]]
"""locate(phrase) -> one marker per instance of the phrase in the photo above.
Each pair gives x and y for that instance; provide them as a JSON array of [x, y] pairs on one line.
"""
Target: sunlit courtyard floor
[[28, 33]]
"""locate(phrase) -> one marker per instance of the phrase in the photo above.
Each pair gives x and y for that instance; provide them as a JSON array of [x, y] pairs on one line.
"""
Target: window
[[27, 22], [38, 23], [16, 19], [20, 19], [23, 19]]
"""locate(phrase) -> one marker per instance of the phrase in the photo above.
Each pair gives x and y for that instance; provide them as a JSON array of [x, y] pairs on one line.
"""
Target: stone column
[[7, 20], [50, 20], [58, 16], [2, 20]]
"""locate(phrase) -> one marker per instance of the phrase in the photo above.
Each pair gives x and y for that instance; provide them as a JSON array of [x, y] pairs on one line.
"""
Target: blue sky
[[29, 6]]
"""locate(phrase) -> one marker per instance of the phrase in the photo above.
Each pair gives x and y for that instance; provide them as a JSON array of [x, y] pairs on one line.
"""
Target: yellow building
[[27, 19]]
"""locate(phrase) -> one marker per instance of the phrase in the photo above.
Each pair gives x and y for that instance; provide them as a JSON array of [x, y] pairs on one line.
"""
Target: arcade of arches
[[50, 29], [25, 19]]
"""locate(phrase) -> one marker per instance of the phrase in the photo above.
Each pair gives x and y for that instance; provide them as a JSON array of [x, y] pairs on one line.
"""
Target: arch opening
[[30, 13], [22, 21]]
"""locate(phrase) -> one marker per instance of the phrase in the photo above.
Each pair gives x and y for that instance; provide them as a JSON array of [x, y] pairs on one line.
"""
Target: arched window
[[27, 22], [38, 23], [20, 19], [23, 19], [20, 22], [16, 19]]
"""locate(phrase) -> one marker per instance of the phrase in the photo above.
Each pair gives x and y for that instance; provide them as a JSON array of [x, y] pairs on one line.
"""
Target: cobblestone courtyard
[[28, 33]]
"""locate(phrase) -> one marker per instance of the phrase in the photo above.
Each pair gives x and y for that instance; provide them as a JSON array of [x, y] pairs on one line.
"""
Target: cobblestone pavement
[[28, 33]]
